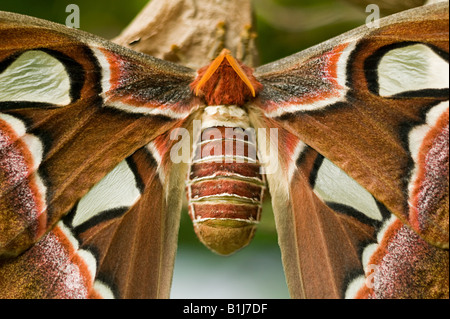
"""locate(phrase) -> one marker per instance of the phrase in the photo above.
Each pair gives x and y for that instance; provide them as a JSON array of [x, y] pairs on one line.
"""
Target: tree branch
[[187, 31]]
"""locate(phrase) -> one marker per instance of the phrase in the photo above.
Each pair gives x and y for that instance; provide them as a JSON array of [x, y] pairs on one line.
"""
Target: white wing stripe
[[35, 76], [415, 67], [117, 189]]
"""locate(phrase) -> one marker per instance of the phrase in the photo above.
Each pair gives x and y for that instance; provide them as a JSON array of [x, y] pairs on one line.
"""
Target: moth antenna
[[225, 54], [236, 67], [210, 71]]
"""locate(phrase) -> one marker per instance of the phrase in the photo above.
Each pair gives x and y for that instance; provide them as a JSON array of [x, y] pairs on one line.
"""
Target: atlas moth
[[90, 196]]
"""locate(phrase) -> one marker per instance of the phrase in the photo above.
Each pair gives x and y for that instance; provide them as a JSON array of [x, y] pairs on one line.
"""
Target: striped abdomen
[[225, 186]]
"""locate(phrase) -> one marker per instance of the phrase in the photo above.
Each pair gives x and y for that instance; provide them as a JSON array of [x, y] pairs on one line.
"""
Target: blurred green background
[[284, 27]]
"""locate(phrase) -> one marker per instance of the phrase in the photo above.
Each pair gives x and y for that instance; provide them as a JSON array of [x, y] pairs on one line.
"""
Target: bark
[[191, 32]]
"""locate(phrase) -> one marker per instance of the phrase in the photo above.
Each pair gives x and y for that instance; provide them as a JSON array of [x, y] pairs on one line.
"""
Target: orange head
[[226, 81]]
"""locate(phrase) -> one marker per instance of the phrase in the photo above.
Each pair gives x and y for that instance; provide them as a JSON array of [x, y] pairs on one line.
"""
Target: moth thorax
[[225, 186]]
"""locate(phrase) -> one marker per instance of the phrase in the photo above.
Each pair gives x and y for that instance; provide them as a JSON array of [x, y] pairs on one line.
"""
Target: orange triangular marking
[[225, 54]]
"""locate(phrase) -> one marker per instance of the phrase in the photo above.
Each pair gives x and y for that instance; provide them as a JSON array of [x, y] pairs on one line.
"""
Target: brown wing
[[73, 107], [374, 103]]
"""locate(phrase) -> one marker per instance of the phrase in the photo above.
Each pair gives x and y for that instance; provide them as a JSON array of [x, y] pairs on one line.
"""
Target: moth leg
[[219, 41], [176, 55], [246, 50]]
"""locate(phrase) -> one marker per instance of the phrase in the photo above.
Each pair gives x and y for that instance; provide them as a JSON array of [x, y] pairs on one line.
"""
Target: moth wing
[[375, 104], [89, 199], [321, 240], [72, 107], [119, 241], [140, 264]]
